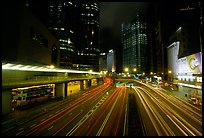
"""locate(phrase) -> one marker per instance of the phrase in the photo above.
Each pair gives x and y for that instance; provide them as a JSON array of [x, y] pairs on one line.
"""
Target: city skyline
[[136, 70]]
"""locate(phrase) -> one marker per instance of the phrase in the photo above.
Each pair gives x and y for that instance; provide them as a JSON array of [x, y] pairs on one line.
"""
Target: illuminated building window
[[199, 79], [71, 31]]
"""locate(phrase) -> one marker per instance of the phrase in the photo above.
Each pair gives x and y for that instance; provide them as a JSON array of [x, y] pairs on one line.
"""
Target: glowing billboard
[[190, 64]]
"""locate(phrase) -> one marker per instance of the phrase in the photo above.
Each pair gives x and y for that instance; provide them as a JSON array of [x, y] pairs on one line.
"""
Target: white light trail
[[9, 66]]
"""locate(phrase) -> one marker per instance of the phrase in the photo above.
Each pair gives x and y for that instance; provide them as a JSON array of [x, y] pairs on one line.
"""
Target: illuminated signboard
[[190, 64]]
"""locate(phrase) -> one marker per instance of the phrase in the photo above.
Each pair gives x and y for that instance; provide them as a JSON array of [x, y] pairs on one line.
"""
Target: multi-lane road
[[107, 110], [163, 114]]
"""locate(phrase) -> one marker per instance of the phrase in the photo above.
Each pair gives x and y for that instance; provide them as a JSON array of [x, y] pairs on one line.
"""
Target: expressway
[[163, 114], [107, 110], [98, 111]]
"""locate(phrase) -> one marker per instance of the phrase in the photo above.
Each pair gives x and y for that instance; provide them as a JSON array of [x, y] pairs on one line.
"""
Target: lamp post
[[126, 69], [169, 72], [151, 73]]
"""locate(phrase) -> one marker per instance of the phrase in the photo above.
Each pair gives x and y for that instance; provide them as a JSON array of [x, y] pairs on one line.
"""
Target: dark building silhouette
[[164, 19], [25, 40], [76, 25]]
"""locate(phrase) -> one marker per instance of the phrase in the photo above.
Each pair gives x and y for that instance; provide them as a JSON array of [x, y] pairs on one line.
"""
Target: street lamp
[[169, 72], [134, 69], [126, 69]]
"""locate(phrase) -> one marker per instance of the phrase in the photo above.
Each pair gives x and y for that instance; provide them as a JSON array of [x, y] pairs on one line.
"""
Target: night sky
[[112, 15]]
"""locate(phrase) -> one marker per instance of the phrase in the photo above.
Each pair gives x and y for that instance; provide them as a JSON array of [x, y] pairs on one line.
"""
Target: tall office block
[[88, 31], [111, 66], [134, 42], [76, 25]]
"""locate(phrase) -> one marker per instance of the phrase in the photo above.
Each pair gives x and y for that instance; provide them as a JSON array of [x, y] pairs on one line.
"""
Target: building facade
[[76, 25], [25, 39], [111, 62], [164, 19], [87, 34], [134, 43], [60, 18], [103, 62]]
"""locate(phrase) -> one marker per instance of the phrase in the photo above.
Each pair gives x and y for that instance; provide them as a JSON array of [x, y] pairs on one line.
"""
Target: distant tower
[[134, 42], [111, 67]]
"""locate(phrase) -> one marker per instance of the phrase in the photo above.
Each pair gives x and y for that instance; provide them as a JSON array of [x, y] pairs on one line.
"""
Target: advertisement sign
[[190, 64]]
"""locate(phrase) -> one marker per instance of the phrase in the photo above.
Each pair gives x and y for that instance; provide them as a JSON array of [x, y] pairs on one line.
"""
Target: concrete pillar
[[89, 82], [86, 84], [66, 90], [98, 80], [101, 80], [6, 101], [61, 90], [82, 85]]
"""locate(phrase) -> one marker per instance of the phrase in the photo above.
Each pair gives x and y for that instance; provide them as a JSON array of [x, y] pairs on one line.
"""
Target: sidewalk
[[182, 95]]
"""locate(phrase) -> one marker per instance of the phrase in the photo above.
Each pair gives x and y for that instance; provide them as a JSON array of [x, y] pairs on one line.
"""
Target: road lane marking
[[33, 125], [19, 133], [177, 126], [83, 119], [107, 117], [184, 126], [50, 128], [144, 103], [7, 121], [50, 115], [43, 119], [20, 128]]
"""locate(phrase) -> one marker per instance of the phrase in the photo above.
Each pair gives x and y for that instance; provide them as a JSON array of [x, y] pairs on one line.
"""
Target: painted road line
[[84, 118], [33, 125], [50, 128], [177, 126]]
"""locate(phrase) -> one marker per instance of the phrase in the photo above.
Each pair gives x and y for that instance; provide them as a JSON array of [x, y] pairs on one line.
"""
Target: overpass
[[18, 76]]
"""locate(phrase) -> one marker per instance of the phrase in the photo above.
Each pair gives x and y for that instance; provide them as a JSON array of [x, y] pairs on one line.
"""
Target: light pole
[[151, 73], [169, 72], [134, 70], [126, 69]]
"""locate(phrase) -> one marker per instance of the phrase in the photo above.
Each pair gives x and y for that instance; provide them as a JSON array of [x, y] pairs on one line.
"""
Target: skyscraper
[[88, 31], [60, 18], [164, 19], [111, 67], [134, 42], [76, 25]]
